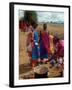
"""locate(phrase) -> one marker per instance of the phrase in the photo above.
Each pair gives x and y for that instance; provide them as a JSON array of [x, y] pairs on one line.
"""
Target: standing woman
[[51, 44], [35, 49], [29, 42], [44, 44]]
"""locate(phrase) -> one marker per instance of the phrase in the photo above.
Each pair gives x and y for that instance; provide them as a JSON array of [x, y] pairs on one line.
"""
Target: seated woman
[[55, 39], [60, 49], [55, 42]]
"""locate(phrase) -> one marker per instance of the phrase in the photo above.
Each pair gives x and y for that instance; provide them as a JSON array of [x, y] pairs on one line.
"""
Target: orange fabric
[[34, 62], [51, 44]]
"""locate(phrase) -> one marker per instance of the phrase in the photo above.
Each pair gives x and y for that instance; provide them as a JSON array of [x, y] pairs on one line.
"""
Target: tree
[[30, 17]]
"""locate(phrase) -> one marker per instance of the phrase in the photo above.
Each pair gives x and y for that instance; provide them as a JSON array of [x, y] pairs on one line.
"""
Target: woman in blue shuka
[[35, 48]]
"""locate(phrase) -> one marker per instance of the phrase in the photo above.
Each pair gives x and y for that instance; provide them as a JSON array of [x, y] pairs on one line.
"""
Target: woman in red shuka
[[22, 25], [44, 44]]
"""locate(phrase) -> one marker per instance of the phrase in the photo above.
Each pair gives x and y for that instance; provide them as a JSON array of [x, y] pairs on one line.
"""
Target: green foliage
[[30, 16]]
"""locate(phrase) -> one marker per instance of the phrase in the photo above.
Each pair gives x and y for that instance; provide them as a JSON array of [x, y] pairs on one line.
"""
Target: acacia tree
[[30, 17]]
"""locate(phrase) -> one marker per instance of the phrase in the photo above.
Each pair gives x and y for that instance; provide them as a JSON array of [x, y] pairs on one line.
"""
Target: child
[[35, 49], [44, 44]]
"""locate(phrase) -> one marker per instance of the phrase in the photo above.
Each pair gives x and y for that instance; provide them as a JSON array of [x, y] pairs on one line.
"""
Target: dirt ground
[[24, 67]]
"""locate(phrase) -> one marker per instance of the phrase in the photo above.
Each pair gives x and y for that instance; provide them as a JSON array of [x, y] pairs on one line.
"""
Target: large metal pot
[[41, 72]]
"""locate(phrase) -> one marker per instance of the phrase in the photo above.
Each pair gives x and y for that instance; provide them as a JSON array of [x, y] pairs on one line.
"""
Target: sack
[[29, 48]]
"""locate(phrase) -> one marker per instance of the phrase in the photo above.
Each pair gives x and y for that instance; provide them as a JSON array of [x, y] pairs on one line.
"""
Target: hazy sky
[[44, 16]]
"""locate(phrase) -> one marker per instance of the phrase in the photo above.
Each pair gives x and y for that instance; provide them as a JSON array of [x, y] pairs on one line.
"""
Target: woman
[[44, 44], [35, 49], [55, 39], [59, 49], [51, 44], [29, 43]]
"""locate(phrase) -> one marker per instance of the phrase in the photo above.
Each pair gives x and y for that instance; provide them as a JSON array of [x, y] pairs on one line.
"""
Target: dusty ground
[[23, 56]]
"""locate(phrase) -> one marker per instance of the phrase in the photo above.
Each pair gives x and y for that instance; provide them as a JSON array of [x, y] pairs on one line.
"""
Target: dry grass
[[54, 28]]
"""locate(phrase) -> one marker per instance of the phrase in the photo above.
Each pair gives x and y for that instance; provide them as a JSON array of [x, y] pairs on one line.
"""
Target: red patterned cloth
[[22, 25]]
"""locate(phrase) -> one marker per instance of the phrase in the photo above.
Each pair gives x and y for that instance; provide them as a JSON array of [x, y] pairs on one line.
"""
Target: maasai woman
[[29, 43], [55, 39], [22, 26], [59, 49], [44, 44], [35, 49], [51, 44]]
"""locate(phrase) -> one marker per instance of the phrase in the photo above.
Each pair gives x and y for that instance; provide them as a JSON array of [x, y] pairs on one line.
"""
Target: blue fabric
[[43, 51], [36, 37], [35, 50]]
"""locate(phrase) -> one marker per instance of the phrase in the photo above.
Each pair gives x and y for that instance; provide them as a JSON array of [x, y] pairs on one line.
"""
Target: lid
[[40, 69]]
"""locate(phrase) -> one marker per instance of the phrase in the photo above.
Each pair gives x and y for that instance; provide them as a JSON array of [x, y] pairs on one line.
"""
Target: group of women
[[43, 47]]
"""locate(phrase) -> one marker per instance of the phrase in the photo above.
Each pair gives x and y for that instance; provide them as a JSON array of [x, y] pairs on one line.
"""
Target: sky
[[45, 16]]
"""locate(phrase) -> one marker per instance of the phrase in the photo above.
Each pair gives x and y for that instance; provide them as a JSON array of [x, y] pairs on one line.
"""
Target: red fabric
[[34, 62], [60, 50], [45, 38], [22, 25]]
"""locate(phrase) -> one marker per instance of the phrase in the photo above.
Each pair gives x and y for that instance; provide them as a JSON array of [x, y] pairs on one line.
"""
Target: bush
[[30, 17]]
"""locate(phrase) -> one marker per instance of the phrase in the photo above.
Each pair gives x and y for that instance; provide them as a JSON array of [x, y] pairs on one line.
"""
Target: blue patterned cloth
[[35, 50]]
